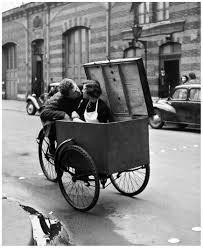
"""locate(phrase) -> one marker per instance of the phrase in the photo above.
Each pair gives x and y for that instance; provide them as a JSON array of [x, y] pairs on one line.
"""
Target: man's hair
[[66, 85], [192, 75], [93, 88]]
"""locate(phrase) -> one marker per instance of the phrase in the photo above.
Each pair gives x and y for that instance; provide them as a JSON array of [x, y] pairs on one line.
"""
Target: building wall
[[184, 17], [57, 18], [190, 39], [14, 32]]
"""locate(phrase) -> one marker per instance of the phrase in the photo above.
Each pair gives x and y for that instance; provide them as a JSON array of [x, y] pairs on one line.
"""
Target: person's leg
[[52, 138]]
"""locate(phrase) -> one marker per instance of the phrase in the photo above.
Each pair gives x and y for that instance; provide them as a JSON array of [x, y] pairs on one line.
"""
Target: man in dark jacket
[[59, 107]]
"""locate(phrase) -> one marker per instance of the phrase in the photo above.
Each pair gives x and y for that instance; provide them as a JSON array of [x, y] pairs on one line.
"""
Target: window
[[76, 52], [10, 53], [180, 94], [144, 12], [37, 22], [195, 95], [162, 11]]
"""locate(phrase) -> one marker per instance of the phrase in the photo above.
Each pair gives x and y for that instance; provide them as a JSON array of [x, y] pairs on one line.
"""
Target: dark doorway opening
[[171, 68], [37, 86], [169, 77], [170, 54]]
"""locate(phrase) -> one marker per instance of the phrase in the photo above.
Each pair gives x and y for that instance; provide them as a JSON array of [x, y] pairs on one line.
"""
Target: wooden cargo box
[[114, 146], [122, 144]]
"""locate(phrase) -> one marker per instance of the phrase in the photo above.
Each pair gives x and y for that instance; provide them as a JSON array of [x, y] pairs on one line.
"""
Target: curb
[[16, 225]]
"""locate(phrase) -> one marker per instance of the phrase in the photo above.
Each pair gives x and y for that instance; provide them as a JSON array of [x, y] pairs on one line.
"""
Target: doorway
[[172, 73], [9, 71], [170, 54], [37, 86], [76, 52]]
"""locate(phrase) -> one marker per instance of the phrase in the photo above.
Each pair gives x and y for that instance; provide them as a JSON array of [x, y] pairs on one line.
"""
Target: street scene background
[[168, 208], [44, 42]]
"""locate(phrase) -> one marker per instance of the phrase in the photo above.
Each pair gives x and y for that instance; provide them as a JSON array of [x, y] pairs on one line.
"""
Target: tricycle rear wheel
[[131, 182], [78, 178]]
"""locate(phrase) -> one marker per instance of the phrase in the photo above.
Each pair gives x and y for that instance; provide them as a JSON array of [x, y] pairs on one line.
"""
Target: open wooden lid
[[124, 86]]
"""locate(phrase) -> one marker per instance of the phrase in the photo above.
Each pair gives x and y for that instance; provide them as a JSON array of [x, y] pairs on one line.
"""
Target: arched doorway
[[138, 50], [76, 52], [37, 86], [169, 77], [9, 70]]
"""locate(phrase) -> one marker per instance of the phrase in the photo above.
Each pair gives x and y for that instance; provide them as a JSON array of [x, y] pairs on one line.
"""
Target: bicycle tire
[[49, 170], [76, 191], [117, 182]]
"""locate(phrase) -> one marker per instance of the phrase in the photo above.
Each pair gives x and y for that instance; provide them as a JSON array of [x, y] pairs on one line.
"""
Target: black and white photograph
[[101, 123]]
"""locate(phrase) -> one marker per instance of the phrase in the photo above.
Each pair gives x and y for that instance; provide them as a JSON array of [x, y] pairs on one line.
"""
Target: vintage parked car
[[34, 103], [181, 108]]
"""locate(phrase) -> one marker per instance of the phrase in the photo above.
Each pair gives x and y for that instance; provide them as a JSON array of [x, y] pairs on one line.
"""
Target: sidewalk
[[14, 105], [16, 225]]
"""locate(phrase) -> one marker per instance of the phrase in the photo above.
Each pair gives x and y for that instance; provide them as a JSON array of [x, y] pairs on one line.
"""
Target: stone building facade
[[52, 40]]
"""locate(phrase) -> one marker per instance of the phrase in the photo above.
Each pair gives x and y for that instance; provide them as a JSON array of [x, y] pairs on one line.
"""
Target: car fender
[[34, 101], [165, 107], [58, 153]]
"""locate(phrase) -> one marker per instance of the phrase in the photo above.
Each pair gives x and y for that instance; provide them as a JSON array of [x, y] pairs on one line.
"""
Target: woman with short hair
[[92, 109], [184, 79]]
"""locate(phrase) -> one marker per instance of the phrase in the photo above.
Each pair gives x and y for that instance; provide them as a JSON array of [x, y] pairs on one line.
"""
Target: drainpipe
[[47, 44], [27, 52], [108, 29]]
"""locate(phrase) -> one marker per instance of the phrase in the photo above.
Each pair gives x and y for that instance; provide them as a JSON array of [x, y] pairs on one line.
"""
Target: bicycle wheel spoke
[[78, 192], [81, 187], [133, 181]]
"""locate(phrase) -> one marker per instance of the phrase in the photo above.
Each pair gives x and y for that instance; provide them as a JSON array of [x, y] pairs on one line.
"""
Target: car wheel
[[156, 121], [30, 108]]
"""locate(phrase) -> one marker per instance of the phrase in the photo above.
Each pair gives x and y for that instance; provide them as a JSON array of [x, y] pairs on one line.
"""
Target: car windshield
[[195, 94], [180, 94]]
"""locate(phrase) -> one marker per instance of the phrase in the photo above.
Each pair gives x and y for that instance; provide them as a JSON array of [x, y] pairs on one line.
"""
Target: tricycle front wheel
[[78, 178], [133, 181]]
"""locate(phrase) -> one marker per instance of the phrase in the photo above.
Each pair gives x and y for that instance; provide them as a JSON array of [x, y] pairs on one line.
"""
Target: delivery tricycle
[[91, 155]]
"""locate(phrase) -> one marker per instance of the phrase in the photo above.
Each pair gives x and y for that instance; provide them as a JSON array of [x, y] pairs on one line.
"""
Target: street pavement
[[169, 207], [16, 222], [22, 225], [17, 228], [14, 105]]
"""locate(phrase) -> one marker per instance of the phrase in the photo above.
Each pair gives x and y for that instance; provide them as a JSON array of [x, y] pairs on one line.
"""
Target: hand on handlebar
[[67, 117], [77, 120], [75, 116]]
